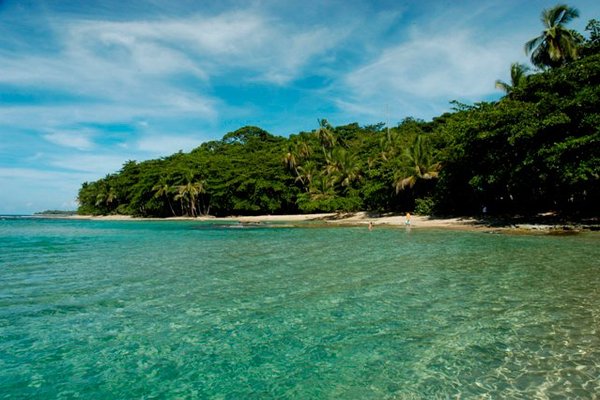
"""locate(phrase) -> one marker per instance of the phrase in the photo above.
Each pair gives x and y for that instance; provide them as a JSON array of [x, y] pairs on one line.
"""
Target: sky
[[87, 85]]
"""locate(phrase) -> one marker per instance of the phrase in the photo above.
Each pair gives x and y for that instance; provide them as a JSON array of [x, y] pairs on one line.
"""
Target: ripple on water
[[154, 309]]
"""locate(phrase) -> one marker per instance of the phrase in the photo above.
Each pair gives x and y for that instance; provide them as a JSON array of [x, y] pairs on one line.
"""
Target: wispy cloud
[[98, 57], [85, 87], [32, 174], [444, 59], [430, 67], [78, 140], [156, 68], [93, 166], [36, 190]]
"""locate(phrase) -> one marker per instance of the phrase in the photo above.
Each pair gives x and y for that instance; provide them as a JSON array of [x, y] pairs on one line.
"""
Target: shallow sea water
[[103, 309]]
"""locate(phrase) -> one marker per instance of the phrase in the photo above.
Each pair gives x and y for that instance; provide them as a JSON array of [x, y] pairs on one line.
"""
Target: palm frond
[[505, 87], [566, 14], [518, 72], [405, 183], [534, 43], [557, 44]]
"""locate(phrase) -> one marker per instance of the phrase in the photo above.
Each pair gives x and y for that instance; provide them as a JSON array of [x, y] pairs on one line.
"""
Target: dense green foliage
[[535, 150], [518, 76]]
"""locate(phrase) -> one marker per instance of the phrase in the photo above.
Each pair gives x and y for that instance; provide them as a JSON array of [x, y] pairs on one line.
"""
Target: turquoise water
[[107, 310]]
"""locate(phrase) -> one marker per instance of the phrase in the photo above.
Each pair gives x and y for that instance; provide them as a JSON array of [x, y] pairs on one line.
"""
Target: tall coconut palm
[[201, 188], [106, 196], [390, 145], [304, 150], [189, 192], [420, 165], [100, 199], [163, 189], [556, 45], [321, 188], [291, 158], [326, 135], [343, 167], [518, 75], [296, 152], [306, 173], [183, 195], [111, 196]]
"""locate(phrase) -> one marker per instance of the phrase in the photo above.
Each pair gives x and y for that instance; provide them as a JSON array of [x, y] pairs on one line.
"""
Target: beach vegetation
[[534, 150], [518, 75], [557, 44]]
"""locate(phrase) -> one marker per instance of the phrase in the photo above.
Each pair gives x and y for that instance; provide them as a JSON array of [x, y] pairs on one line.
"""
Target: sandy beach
[[364, 218], [357, 218], [381, 220]]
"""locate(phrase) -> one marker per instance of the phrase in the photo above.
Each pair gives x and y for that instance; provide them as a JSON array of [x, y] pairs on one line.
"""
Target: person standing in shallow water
[[370, 225], [407, 220]]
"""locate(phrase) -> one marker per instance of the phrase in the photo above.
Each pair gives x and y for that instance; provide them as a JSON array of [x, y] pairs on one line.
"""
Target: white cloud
[[102, 56], [287, 54], [163, 68], [172, 105], [111, 77], [434, 64], [93, 166], [445, 65], [264, 47], [78, 140], [30, 173], [37, 190]]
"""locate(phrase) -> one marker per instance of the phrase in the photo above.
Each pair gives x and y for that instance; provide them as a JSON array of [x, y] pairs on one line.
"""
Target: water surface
[[102, 309]]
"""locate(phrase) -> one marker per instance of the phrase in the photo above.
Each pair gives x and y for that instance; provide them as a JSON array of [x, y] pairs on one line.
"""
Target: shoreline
[[391, 220]]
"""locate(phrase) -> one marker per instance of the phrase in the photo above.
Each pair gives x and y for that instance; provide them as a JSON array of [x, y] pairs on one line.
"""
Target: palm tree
[[291, 158], [296, 151], [201, 189], [518, 75], [326, 135], [106, 196], [306, 173], [100, 199], [420, 164], [183, 197], [343, 167], [303, 149], [321, 188], [190, 191], [390, 144], [111, 196], [556, 45], [163, 189]]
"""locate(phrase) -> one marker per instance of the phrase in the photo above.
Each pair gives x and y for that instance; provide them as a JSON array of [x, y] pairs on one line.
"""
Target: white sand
[[358, 218], [416, 221]]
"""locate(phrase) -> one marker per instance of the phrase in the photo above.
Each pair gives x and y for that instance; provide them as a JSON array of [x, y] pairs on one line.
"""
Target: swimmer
[[370, 225], [407, 220]]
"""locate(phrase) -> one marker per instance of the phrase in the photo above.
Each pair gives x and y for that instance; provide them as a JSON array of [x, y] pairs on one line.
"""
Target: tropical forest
[[535, 150]]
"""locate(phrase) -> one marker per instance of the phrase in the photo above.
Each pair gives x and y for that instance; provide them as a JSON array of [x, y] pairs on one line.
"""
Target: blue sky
[[88, 85]]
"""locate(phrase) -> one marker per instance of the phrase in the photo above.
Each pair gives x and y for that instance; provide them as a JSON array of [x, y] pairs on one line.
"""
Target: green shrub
[[424, 206]]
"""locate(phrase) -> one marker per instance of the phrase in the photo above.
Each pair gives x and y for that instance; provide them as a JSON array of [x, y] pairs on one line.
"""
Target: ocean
[[164, 309]]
